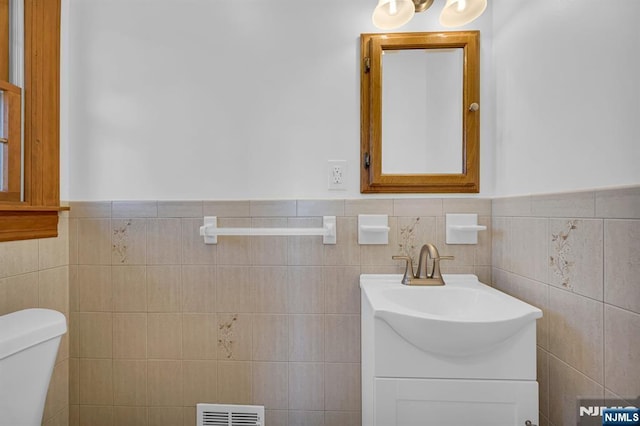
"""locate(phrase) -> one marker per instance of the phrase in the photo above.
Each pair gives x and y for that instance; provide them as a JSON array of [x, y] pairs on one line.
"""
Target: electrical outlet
[[337, 174]]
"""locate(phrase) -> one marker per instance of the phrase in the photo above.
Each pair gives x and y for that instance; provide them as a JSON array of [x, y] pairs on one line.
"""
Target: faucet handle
[[435, 273], [408, 271]]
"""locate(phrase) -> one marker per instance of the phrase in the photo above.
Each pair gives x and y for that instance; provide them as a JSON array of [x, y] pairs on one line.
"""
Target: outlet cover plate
[[337, 174]]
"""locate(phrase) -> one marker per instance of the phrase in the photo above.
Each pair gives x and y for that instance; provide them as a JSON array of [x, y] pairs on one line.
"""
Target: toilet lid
[[23, 329]]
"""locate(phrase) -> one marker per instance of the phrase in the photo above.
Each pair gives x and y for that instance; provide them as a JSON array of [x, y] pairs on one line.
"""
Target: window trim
[[37, 215]]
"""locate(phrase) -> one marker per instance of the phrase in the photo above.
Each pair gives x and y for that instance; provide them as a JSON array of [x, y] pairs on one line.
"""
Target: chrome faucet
[[423, 277]]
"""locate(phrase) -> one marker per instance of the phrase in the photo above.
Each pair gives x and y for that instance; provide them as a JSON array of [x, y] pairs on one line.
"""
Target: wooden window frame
[[37, 215]]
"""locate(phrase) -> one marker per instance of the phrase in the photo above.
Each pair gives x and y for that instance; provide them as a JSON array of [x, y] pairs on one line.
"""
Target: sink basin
[[461, 318]]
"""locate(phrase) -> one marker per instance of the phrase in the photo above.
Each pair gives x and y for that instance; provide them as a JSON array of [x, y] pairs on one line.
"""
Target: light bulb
[[393, 7], [462, 5]]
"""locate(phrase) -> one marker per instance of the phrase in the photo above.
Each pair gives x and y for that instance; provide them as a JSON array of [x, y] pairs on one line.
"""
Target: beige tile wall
[[577, 257], [161, 321], [35, 274]]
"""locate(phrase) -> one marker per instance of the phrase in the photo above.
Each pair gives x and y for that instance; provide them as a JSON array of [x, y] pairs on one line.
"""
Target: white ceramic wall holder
[[463, 228], [373, 229], [210, 231]]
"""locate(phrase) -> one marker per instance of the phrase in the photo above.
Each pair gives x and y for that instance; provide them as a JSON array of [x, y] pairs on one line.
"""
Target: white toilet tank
[[29, 341]]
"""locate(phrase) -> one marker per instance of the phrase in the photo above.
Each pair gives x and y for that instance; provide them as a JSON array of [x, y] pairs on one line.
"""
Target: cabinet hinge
[[367, 64], [367, 160]]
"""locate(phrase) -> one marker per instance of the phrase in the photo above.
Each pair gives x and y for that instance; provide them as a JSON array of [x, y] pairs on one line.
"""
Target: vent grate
[[230, 415]]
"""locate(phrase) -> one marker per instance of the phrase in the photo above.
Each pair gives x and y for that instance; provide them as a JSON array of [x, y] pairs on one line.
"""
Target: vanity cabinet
[[405, 385]]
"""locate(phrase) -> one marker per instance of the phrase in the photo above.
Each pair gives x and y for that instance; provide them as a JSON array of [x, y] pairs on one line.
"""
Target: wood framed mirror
[[420, 119]]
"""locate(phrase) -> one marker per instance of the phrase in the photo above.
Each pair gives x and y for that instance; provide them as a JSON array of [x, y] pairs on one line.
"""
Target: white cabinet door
[[427, 402]]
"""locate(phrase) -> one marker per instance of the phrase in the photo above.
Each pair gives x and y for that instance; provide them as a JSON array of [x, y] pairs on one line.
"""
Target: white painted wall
[[568, 94], [202, 99]]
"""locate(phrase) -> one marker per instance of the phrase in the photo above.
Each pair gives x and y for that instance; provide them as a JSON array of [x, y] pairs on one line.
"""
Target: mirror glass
[[421, 111]]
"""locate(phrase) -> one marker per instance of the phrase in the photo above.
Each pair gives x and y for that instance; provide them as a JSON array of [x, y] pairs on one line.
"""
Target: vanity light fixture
[[392, 14]]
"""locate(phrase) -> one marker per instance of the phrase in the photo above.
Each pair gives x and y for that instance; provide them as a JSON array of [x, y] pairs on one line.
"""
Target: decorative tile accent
[[235, 340], [407, 245], [226, 335], [119, 242], [130, 242], [562, 259], [575, 256]]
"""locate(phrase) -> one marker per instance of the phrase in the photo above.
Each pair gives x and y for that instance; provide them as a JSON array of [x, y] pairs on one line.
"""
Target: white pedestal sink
[[462, 353]]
